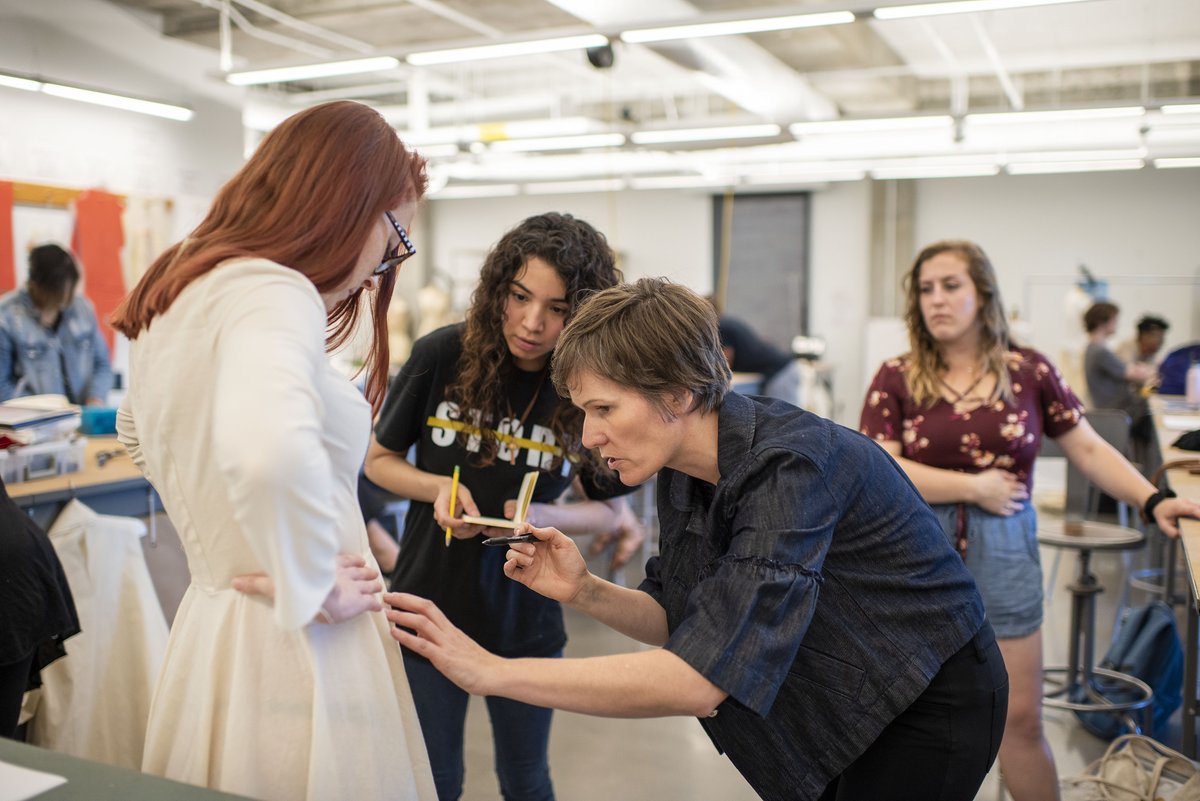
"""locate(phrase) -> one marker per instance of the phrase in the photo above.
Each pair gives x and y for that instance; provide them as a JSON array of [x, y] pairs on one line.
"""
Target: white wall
[[1036, 229], [1131, 228], [655, 233], [66, 143]]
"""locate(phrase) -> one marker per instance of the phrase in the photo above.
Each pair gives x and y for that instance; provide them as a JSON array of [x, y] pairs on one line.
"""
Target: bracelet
[[1153, 501], [324, 616]]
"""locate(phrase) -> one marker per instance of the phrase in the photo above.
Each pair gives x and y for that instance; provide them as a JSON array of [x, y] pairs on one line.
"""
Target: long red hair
[[307, 199]]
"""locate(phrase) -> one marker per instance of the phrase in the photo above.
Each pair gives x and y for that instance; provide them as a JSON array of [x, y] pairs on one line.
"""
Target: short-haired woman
[[805, 604], [254, 441], [964, 413]]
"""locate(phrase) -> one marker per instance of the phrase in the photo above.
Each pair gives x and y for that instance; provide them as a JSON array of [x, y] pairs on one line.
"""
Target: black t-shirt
[[750, 353], [466, 580]]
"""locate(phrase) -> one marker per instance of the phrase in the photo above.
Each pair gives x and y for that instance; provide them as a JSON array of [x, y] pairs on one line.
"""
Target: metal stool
[[1082, 686]]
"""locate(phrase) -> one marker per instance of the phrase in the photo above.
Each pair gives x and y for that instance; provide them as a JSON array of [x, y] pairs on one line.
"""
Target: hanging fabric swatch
[[97, 244], [8, 267]]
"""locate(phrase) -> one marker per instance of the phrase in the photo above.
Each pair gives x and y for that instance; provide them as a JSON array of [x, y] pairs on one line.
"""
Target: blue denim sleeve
[[753, 604], [8, 381], [652, 584]]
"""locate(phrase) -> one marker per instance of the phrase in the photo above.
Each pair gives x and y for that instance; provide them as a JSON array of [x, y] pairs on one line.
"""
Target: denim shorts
[[1002, 555]]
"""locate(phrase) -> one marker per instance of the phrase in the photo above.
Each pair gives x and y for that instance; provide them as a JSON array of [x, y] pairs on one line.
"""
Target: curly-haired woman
[[478, 396]]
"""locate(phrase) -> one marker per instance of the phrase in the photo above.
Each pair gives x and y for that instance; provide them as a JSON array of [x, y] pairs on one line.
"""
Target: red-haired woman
[[254, 442], [479, 396]]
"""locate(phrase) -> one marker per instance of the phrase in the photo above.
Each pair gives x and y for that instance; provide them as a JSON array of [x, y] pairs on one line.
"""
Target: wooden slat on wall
[[43, 195]]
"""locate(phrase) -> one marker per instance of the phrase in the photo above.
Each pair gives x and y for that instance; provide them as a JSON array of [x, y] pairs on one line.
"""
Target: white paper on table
[[1180, 422], [18, 783]]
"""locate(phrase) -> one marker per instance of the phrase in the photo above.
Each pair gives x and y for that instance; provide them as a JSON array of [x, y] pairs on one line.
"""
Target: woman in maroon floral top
[[964, 413]]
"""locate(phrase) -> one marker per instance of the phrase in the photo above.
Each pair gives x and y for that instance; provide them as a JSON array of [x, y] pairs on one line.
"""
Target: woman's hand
[[532, 515], [422, 628], [552, 567], [999, 492], [1168, 512], [355, 588], [464, 503], [628, 536]]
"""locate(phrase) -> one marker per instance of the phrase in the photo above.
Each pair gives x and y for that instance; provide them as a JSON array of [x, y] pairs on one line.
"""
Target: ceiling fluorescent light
[[1105, 165], [735, 27], [679, 182], [935, 171], [180, 113], [1176, 163], [1181, 108], [558, 143], [523, 129], [527, 48], [960, 7], [1060, 115], [499, 131], [814, 177], [1077, 155], [303, 72], [575, 187], [438, 151], [867, 125], [463, 191], [13, 82], [763, 131]]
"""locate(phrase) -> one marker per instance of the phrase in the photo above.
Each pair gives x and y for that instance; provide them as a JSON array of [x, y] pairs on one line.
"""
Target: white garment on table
[[254, 443], [94, 702]]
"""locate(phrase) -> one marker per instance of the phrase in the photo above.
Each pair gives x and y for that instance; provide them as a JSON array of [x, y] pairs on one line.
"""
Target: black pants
[[942, 746], [13, 681]]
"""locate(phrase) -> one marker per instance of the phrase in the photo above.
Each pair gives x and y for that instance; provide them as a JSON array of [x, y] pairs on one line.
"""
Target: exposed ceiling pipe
[[445, 12], [959, 85], [315, 31], [226, 38], [1015, 99], [250, 29], [732, 66]]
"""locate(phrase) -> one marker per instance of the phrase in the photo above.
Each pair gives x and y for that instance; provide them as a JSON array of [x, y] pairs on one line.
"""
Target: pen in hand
[[453, 498]]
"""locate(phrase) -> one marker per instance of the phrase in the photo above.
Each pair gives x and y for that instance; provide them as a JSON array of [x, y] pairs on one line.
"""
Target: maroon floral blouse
[[1003, 435]]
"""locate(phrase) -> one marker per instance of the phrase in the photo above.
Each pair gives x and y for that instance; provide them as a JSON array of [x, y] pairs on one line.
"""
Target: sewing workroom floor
[[670, 759]]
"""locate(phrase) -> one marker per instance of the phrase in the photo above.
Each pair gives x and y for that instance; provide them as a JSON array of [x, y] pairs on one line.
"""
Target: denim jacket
[[813, 584], [33, 357]]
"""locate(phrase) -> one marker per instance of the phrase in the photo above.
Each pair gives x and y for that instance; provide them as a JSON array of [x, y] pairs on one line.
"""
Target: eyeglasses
[[395, 257]]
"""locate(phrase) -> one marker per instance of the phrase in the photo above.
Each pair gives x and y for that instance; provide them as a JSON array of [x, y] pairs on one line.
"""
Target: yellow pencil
[[453, 498]]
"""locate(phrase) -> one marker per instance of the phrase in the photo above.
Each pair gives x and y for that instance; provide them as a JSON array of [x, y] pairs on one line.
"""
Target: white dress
[[254, 442]]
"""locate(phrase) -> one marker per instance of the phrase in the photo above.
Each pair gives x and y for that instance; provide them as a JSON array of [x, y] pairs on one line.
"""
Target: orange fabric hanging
[[8, 269], [97, 242]]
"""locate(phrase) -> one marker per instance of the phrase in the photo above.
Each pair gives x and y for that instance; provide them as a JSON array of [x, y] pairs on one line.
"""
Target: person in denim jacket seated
[[50, 342], [805, 605]]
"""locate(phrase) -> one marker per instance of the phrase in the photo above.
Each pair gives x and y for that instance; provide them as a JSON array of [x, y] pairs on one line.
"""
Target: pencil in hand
[[453, 499]]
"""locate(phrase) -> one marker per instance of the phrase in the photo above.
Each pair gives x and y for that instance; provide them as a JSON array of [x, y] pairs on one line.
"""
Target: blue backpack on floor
[[1148, 648]]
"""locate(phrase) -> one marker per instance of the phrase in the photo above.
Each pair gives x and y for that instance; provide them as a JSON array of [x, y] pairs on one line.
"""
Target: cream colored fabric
[[94, 703], [254, 443]]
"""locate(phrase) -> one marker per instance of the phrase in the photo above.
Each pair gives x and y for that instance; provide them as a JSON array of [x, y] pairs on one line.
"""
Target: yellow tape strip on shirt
[[507, 439]]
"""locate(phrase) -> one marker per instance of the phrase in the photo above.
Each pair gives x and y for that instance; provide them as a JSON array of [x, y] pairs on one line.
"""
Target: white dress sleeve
[[267, 440], [127, 435]]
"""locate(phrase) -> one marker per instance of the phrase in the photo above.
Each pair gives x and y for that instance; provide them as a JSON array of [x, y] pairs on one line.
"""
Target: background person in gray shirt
[[1115, 384]]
